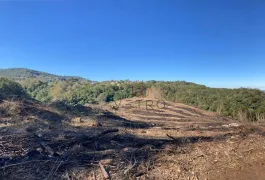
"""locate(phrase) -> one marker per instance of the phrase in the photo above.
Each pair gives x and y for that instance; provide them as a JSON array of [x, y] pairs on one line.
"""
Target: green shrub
[[10, 88]]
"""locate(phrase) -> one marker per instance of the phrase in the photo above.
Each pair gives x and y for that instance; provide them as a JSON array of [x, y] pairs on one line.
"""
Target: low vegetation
[[242, 103]]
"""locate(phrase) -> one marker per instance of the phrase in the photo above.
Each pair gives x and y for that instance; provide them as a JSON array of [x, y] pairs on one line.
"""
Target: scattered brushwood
[[47, 156], [125, 147], [130, 158], [38, 164]]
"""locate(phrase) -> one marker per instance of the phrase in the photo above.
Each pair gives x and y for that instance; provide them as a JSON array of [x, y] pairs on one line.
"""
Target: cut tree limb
[[104, 172]]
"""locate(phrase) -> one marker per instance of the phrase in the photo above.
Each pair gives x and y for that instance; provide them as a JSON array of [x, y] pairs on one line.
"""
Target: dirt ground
[[135, 138]]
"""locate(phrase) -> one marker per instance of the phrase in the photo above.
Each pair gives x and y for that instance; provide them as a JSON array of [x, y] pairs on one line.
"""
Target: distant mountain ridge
[[19, 74]]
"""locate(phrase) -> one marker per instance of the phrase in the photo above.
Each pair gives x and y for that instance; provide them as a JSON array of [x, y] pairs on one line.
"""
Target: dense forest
[[241, 104]]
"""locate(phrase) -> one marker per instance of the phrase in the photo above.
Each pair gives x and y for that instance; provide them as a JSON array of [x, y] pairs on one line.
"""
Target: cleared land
[[137, 139]]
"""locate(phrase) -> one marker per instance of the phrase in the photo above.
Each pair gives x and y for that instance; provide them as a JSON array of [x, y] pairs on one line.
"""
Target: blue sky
[[211, 42]]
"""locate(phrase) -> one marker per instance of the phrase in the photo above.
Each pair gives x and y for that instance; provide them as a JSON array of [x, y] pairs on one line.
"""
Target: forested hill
[[242, 103], [20, 74]]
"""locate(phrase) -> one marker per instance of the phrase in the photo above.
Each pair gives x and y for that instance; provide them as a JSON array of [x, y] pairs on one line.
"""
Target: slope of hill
[[175, 141], [133, 138], [19, 74]]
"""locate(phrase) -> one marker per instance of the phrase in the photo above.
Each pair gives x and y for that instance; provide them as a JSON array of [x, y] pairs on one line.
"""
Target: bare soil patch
[[177, 142]]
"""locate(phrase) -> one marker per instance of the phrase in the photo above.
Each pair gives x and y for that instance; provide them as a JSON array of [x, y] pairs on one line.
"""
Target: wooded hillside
[[242, 104]]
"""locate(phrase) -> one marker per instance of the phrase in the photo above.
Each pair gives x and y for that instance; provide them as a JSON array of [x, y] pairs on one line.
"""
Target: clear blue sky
[[219, 43]]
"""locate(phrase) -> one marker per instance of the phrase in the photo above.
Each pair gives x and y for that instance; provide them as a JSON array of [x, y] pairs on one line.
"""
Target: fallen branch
[[47, 148], [130, 167], [104, 172], [172, 137]]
